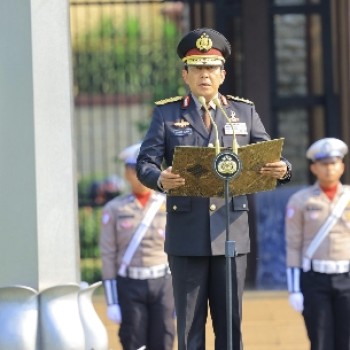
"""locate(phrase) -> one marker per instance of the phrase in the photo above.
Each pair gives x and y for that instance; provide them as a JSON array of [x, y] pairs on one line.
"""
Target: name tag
[[239, 128], [182, 132]]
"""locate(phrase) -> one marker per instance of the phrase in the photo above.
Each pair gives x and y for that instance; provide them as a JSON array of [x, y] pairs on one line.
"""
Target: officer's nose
[[205, 73]]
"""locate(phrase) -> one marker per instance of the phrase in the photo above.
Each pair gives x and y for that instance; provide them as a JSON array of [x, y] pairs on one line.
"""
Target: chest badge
[[182, 123], [233, 117]]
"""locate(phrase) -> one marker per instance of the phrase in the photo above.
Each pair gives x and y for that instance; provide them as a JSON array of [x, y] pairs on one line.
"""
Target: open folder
[[196, 165]]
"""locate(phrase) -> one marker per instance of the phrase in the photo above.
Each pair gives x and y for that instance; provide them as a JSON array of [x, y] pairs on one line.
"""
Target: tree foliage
[[130, 60]]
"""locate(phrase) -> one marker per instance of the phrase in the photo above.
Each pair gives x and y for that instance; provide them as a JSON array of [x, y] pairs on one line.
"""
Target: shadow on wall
[[270, 233]]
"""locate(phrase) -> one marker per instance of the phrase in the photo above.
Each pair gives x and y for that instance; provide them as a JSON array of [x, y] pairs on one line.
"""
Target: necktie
[[206, 118]]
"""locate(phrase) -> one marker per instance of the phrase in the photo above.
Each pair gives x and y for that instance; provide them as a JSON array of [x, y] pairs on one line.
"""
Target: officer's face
[[328, 173], [204, 80]]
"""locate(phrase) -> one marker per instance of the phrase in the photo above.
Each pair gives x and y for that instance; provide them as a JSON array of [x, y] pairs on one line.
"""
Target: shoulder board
[[168, 100], [239, 99]]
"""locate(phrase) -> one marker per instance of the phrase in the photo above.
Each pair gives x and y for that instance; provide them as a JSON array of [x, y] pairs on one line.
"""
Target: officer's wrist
[[285, 176], [288, 175], [160, 186]]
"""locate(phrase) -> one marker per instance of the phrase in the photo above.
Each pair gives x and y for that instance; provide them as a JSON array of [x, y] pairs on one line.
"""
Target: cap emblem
[[204, 43], [326, 148]]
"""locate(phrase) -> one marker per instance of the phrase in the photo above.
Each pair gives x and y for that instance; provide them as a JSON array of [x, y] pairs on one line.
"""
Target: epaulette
[[168, 100], [239, 99]]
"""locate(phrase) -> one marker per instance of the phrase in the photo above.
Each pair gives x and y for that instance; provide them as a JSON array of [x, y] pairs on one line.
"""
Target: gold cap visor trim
[[199, 60]]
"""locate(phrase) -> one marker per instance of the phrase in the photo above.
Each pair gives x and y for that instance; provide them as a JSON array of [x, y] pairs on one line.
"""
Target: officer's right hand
[[114, 313], [169, 180], [296, 300]]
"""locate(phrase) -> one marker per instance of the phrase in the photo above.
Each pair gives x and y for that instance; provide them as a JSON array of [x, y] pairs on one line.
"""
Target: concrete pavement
[[269, 323]]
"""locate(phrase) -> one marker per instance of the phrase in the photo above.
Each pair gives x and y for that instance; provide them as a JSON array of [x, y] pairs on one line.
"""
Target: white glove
[[114, 313], [296, 300], [113, 309]]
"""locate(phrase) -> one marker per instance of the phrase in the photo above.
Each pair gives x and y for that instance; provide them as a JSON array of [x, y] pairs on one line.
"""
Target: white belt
[[144, 273], [326, 266]]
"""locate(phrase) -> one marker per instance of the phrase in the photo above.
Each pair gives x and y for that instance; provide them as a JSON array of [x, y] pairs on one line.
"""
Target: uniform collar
[[317, 188], [199, 105]]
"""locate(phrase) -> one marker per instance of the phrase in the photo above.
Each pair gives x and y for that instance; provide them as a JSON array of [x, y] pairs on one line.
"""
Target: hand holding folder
[[195, 164]]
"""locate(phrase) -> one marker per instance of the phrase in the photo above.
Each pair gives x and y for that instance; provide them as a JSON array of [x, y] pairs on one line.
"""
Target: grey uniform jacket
[[196, 226], [120, 219], [306, 212]]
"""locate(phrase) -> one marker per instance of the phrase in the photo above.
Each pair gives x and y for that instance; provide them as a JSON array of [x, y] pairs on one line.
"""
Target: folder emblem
[[227, 166]]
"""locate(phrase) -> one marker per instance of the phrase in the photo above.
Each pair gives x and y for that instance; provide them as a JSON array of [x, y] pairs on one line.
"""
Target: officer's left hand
[[277, 170]]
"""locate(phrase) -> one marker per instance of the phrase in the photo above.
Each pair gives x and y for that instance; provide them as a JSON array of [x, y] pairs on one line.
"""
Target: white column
[[39, 245]]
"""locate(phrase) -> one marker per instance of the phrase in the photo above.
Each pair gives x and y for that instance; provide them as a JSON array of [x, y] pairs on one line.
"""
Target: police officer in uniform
[[135, 270], [196, 226], [318, 249]]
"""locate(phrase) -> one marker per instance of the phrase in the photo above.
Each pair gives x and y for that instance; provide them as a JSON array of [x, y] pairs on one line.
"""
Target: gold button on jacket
[[212, 207]]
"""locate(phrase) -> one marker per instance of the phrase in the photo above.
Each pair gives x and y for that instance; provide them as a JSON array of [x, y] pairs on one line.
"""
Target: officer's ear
[[313, 168], [184, 74], [342, 165], [223, 75]]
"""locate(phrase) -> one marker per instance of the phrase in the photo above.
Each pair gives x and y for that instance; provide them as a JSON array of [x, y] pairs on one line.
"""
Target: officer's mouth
[[205, 85]]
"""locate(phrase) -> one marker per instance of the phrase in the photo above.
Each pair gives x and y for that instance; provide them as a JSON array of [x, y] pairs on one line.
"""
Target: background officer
[[135, 272], [196, 226], [318, 249]]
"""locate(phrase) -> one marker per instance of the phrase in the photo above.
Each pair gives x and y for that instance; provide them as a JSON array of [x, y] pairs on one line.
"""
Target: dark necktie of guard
[[206, 118]]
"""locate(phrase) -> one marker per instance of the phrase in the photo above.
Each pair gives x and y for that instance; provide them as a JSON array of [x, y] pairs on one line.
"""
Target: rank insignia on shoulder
[[239, 99], [168, 100], [182, 123]]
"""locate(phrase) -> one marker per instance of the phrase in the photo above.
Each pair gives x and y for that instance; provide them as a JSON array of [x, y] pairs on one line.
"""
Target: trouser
[[147, 308], [327, 309], [197, 281]]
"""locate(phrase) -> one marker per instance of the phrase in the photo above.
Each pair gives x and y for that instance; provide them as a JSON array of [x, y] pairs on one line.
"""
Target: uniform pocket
[[178, 204], [240, 203]]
